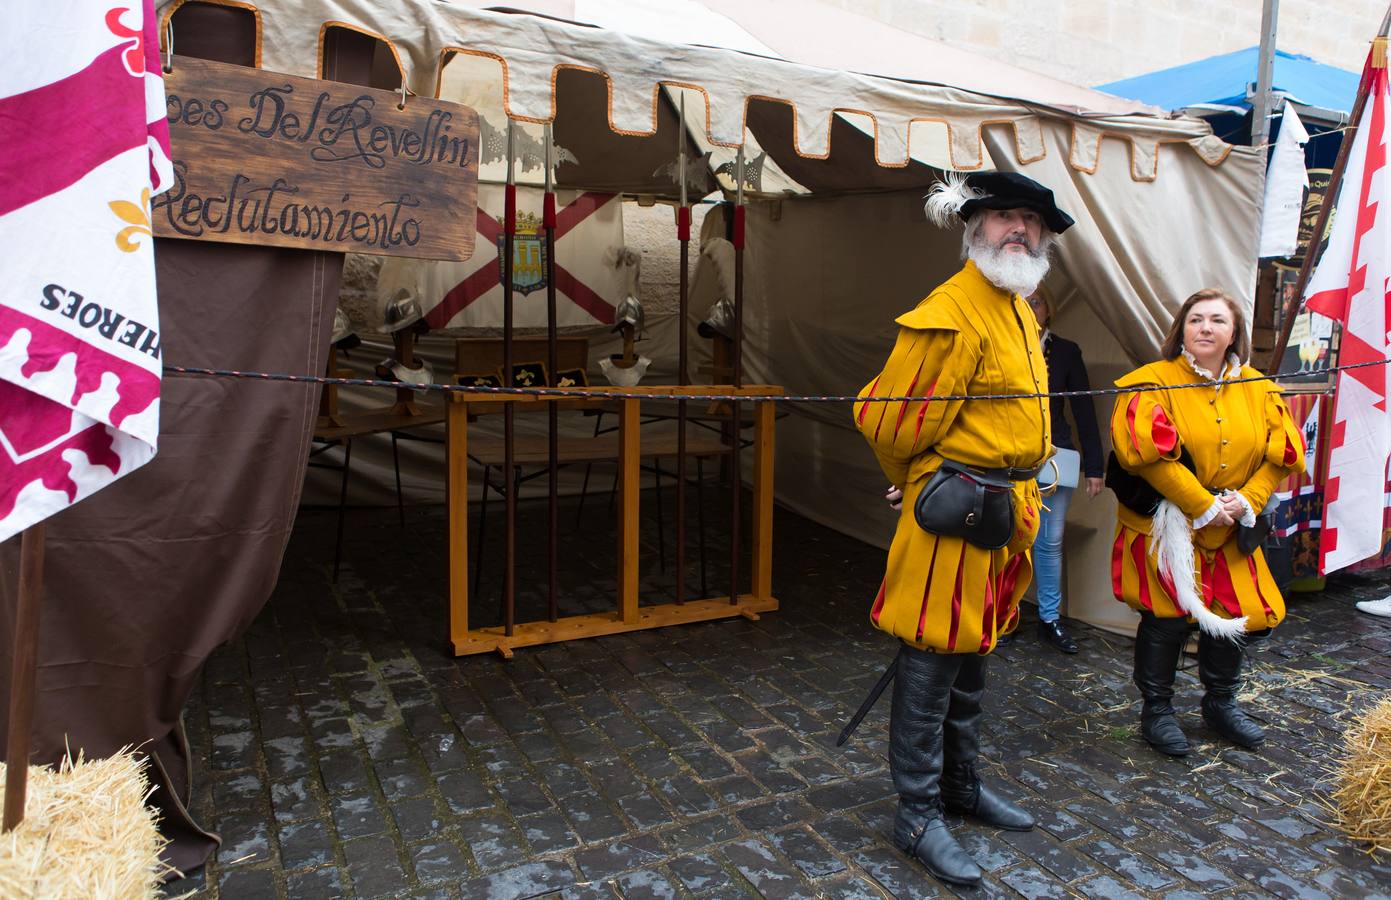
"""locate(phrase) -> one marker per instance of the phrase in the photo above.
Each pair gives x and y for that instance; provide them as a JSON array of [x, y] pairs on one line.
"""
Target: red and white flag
[[469, 294], [85, 145], [1350, 286]]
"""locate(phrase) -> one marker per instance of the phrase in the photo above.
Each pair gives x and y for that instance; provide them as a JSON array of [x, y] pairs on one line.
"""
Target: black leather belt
[[1010, 474]]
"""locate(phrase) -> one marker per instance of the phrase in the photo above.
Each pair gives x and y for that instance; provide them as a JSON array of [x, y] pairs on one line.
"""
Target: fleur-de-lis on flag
[[134, 57], [138, 218]]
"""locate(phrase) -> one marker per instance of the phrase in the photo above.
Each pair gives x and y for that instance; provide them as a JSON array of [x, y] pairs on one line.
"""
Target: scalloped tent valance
[[899, 114]]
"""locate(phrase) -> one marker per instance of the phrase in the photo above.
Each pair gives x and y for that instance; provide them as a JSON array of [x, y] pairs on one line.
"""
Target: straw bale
[[86, 833], [1363, 778]]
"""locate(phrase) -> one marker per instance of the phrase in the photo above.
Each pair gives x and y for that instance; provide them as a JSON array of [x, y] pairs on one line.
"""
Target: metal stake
[[736, 479], [683, 238], [552, 364], [509, 236]]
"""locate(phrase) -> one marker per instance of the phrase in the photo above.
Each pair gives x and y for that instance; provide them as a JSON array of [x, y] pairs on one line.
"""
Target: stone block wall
[[1092, 42]]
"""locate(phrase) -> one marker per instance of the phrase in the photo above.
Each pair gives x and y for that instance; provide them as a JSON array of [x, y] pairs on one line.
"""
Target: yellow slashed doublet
[[967, 338], [1241, 438]]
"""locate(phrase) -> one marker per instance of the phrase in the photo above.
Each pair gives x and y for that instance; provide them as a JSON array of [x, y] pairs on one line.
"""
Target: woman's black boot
[[1219, 668], [922, 693], [1158, 645], [962, 789]]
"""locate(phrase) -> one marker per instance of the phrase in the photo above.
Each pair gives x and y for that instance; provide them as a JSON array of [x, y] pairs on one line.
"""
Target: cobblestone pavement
[[341, 752]]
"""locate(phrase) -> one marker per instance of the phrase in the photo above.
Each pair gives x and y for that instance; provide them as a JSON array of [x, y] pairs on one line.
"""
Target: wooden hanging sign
[[270, 159]]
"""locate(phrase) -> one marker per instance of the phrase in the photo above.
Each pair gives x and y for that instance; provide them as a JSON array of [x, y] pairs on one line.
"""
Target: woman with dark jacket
[[1066, 372]]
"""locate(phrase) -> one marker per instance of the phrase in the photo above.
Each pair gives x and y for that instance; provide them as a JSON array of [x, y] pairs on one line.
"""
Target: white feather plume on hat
[[946, 197]]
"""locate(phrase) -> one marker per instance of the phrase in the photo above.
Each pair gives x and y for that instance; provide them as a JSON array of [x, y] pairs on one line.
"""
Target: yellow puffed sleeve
[[930, 362], [1284, 454], [1147, 443]]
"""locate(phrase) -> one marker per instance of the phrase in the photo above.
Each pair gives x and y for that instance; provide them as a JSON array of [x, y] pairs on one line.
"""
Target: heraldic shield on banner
[[528, 256], [468, 294]]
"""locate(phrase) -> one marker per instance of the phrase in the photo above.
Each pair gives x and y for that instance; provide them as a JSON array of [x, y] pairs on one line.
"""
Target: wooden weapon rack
[[629, 612]]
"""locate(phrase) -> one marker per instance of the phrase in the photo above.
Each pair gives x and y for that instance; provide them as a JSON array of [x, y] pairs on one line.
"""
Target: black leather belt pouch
[[959, 501]]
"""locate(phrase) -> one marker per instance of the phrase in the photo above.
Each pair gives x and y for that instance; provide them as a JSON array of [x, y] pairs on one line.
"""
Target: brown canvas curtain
[[143, 580]]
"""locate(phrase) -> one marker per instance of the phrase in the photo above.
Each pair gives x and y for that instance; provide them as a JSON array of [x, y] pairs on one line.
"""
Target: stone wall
[[1093, 42]]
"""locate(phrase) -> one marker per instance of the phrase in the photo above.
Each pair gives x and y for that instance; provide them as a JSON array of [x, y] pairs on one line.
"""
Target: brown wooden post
[[763, 425], [629, 483], [22, 674], [456, 462], [405, 354]]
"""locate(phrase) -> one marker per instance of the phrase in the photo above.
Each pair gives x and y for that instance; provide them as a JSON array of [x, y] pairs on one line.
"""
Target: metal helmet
[[343, 336], [402, 312], [630, 313], [719, 321]]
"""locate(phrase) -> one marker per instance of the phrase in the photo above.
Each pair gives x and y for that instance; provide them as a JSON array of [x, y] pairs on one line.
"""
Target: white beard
[[1018, 273]]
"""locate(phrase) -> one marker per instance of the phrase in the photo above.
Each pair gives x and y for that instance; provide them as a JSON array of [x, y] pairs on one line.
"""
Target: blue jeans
[[1048, 554]]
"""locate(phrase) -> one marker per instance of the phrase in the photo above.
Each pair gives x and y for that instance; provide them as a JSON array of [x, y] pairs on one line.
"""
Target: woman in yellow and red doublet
[[1214, 454]]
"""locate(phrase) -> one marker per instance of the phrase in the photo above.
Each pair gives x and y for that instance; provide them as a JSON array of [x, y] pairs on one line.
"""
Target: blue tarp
[[1223, 80]]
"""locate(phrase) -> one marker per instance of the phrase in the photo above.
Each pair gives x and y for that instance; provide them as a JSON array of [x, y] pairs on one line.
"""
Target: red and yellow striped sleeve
[[924, 363], [1147, 444]]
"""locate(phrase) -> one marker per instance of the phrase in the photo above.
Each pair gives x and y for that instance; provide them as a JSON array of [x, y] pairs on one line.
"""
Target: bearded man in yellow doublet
[[949, 593]]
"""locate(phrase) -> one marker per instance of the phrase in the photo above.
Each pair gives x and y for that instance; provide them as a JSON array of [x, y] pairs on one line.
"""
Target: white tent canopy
[[533, 49], [1162, 206]]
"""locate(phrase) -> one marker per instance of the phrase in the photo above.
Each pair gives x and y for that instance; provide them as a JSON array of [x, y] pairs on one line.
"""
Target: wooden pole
[[456, 437], [22, 673], [1330, 197], [629, 473], [1265, 75], [735, 475], [509, 572], [553, 412], [683, 238]]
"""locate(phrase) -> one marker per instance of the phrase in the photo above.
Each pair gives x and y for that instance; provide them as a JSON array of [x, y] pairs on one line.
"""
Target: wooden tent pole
[[509, 237], [1330, 196], [683, 238], [553, 412], [22, 673], [735, 473]]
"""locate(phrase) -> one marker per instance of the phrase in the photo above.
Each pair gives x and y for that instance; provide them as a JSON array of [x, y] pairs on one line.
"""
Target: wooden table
[[628, 447]]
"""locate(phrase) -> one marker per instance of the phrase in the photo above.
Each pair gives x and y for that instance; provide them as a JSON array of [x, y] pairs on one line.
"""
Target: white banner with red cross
[[469, 294], [1350, 286], [86, 144]]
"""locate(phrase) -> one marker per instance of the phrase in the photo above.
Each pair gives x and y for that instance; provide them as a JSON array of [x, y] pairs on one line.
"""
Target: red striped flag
[[1350, 285], [86, 145]]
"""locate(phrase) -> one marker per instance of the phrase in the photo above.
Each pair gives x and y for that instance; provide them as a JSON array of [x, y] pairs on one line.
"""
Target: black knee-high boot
[[1219, 669], [962, 789], [1158, 645], [922, 693]]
